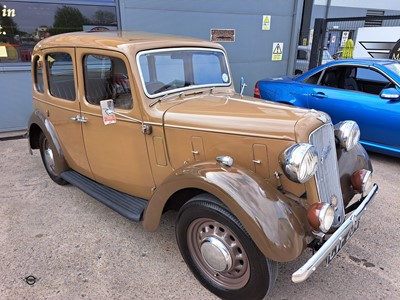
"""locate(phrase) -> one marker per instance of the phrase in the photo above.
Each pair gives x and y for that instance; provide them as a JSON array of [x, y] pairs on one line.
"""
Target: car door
[[117, 153], [325, 95], [375, 116], [62, 106]]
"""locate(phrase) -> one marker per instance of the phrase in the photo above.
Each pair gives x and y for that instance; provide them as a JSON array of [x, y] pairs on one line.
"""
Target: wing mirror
[[110, 116], [108, 112], [242, 86], [391, 94]]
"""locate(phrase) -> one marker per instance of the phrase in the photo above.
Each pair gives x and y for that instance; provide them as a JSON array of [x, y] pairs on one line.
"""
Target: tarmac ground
[[56, 242]]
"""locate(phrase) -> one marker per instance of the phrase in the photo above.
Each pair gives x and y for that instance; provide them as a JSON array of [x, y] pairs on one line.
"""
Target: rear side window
[[38, 73], [107, 78], [60, 72]]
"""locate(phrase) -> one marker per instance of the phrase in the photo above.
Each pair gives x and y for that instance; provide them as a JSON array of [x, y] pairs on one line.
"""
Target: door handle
[[79, 119], [319, 95]]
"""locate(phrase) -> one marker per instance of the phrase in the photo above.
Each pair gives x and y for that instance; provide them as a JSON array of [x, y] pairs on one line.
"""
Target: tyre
[[220, 253], [47, 154]]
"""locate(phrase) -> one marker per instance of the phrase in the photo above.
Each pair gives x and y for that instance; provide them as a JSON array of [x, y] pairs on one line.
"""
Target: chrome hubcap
[[48, 156], [216, 254]]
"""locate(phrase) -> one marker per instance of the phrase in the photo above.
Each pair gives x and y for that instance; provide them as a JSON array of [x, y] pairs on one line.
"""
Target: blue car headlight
[[299, 162], [347, 134]]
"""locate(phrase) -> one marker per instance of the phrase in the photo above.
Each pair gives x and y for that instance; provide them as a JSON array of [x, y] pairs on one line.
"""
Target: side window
[[38, 74], [370, 81], [370, 75], [60, 73], [313, 79], [330, 78], [107, 78]]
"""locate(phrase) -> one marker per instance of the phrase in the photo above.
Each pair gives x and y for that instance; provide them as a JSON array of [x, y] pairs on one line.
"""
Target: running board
[[129, 206]]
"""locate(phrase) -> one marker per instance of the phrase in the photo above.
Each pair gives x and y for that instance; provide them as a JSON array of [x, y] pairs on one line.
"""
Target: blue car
[[364, 90]]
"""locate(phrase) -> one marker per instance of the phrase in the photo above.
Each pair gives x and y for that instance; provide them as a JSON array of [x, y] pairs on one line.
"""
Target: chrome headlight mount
[[299, 162], [347, 134]]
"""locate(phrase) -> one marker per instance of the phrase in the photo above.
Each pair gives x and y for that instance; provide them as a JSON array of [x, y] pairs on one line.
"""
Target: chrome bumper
[[335, 243]]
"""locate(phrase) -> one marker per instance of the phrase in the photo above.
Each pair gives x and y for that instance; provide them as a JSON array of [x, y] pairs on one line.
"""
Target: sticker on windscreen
[[225, 77]]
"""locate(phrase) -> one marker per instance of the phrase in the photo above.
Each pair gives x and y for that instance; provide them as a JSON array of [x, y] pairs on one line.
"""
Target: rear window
[[38, 74]]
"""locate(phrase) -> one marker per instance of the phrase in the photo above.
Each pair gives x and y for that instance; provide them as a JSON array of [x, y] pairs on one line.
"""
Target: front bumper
[[336, 242]]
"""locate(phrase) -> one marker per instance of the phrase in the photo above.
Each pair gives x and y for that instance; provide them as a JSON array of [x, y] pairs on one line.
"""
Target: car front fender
[[349, 162], [271, 219]]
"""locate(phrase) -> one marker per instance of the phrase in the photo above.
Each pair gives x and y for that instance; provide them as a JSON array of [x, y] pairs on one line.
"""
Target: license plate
[[342, 241]]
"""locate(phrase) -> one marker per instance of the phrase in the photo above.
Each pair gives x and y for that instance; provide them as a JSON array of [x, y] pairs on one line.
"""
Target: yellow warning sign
[[266, 23], [277, 51]]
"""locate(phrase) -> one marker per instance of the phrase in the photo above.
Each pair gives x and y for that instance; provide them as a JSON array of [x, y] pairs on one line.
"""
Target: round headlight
[[299, 162], [347, 134], [321, 216]]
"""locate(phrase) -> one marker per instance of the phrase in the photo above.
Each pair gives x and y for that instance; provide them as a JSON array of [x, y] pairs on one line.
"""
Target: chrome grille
[[327, 175]]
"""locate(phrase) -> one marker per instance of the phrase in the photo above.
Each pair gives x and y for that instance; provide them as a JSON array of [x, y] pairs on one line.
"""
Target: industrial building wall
[[250, 55], [15, 98]]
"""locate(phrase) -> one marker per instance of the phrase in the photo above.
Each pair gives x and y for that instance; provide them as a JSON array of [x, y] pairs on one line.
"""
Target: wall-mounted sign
[[277, 51], [222, 35], [3, 51], [345, 37], [6, 13], [266, 23]]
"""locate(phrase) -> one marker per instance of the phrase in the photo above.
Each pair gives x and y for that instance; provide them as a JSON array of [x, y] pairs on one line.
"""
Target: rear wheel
[[220, 253], [47, 154]]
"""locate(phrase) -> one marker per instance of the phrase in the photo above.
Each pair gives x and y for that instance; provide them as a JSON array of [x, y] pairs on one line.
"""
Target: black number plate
[[341, 242]]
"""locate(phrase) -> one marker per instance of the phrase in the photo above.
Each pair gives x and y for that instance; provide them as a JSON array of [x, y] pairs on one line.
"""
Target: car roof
[[350, 62], [361, 61], [119, 39]]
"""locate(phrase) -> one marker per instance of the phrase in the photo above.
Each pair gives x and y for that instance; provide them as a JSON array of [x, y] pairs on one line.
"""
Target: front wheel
[[220, 253]]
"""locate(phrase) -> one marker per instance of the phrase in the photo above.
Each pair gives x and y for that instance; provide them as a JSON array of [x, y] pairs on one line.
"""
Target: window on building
[[24, 23], [374, 20]]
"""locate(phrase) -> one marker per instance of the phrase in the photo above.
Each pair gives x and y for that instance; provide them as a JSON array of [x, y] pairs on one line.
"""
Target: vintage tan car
[[147, 123]]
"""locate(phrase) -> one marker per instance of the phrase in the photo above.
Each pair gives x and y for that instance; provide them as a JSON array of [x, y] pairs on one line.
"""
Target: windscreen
[[394, 67], [165, 71]]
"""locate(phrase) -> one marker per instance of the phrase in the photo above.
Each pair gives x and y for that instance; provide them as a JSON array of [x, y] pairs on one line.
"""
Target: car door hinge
[[147, 129]]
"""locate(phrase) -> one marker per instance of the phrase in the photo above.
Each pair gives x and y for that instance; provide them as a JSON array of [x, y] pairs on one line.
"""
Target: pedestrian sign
[[277, 51], [266, 23]]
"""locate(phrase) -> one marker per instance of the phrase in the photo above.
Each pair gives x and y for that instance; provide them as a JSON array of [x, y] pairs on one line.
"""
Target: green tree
[[102, 17], [68, 19]]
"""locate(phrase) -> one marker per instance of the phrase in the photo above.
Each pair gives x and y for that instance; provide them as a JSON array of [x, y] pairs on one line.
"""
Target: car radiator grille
[[327, 175]]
